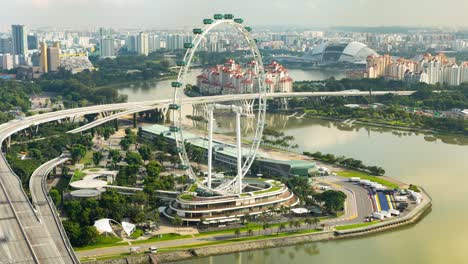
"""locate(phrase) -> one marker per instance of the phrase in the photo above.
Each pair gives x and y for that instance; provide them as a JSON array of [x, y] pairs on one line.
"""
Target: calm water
[[153, 90], [441, 168], [439, 165]]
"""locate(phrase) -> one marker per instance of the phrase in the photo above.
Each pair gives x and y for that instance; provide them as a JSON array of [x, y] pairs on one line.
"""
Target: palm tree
[[316, 221], [250, 232], [245, 218], [291, 224], [237, 232], [297, 224], [308, 221], [281, 227], [202, 221], [265, 226]]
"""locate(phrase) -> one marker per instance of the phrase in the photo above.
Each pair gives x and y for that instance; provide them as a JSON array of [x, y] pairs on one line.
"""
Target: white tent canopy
[[103, 226], [129, 228]]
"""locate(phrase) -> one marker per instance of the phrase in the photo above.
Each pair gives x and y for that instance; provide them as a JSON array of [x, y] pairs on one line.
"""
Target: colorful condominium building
[[233, 78]]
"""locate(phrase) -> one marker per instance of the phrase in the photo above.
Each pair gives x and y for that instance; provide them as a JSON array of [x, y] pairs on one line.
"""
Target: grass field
[[365, 176], [87, 159], [352, 226], [162, 237], [77, 175], [103, 241]]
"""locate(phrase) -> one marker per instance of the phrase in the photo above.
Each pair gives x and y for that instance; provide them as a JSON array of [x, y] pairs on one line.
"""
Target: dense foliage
[[82, 214], [397, 110], [15, 95], [346, 162]]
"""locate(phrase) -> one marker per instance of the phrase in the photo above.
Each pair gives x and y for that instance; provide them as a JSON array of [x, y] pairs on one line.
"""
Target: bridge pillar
[[284, 104], [134, 120], [116, 124]]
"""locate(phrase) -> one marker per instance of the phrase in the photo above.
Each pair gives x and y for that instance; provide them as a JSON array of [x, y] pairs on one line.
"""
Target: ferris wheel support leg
[[239, 152], [210, 145]]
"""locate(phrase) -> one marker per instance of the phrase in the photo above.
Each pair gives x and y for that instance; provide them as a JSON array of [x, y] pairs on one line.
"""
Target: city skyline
[[164, 14]]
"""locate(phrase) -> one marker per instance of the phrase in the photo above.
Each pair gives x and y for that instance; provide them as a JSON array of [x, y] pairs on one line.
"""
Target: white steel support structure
[[239, 150], [210, 144]]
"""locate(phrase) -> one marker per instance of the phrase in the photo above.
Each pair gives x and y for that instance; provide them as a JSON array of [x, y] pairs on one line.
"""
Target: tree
[[78, 152], [145, 152], [73, 232], [281, 227], [332, 200], [115, 155], [97, 157], [89, 235], [265, 227], [176, 221], [250, 232], [153, 168], [55, 196], [237, 232], [133, 158], [315, 221], [125, 144], [297, 224]]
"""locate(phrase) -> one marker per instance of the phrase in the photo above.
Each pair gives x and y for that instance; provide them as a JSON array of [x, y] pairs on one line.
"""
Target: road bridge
[[226, 98]]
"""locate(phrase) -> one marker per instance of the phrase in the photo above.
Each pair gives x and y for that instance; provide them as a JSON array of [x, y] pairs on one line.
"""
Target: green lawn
[[352, 226], [272, 189], [242, 239], [162, 237], [365, 176], [103, 241], [187, 197], [77, 175], [87, 159], [137, 233], [193, 188]]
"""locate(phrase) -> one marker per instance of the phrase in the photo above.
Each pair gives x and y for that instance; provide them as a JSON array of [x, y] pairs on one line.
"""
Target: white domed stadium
[[340, 52]]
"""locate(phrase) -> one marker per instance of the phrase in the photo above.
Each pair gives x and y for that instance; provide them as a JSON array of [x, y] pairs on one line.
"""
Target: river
[[153, 90], [439, 165]]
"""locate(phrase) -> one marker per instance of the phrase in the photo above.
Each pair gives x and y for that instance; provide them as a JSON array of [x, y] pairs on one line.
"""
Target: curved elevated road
[[25, 237], [47, 214]]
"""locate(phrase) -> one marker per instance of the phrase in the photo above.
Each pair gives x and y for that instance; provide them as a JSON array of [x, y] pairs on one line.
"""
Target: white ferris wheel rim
[[181, 78]]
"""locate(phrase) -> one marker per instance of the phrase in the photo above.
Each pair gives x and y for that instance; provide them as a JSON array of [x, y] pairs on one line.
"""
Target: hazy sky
[[179, 13]]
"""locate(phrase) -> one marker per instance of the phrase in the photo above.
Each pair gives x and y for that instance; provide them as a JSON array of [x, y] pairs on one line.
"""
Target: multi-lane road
[[29, 235]]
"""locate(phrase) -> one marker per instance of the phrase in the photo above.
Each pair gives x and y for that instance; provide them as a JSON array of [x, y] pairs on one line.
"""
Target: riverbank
[[226, 247], [380, 125], [156, 79]]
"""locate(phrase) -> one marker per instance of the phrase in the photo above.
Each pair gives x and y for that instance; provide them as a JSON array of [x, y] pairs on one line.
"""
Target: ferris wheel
[[245, 158]]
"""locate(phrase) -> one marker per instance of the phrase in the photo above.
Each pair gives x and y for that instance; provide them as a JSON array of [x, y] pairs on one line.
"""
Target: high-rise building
[[154, 43], [142, 44], [175, 42], [19, 39], [43, 64], [33, 42], [53, 57], [7, 61], [106, 43], [131, 43], [5, 45], [107, 49]]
